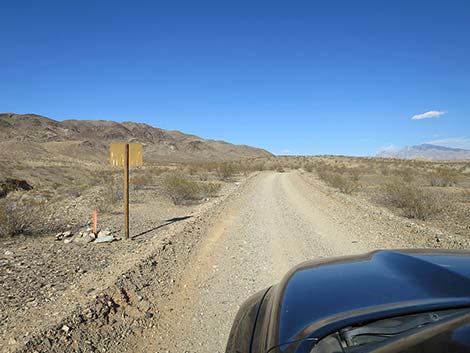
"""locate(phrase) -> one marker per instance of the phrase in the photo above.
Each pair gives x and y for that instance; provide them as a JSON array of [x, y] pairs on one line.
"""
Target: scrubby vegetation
[[346, 180], [443, 177], [430, 191], [436, 192], [181, 189], [413, 201]]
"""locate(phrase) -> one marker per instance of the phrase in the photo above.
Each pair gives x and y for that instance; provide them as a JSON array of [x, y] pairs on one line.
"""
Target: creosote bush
[[344, 183], [225, 171], [414, 202], [181, 189], [346, 180], [443, 177]]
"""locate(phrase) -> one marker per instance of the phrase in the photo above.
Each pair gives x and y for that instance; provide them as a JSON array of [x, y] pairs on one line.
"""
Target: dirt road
[[278, 221]]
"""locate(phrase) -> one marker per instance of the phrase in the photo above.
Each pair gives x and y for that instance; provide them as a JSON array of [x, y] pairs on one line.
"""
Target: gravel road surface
[[278, 221]]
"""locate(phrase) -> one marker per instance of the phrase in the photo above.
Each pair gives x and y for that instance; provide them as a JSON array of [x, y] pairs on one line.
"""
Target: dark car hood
[[319, 297]]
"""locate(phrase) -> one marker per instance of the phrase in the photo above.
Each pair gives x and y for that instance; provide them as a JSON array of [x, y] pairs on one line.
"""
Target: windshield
[[378, 334]]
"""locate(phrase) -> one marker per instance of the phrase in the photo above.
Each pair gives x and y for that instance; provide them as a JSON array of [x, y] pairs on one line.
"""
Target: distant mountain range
[[427, 151], [30, 136]]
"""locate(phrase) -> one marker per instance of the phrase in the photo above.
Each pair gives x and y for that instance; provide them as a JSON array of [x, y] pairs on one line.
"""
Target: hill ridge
[[427, 151], [159, 144]]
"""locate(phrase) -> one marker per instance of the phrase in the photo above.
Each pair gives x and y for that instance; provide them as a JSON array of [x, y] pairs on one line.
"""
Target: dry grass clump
[[443, 177], [181, 189], [413, 201], [346, 180]]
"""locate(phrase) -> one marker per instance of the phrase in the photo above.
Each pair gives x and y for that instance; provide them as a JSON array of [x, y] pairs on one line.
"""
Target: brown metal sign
[[117, 154]]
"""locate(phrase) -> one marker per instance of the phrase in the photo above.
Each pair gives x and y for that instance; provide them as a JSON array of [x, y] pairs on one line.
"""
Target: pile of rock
[[86, 236]]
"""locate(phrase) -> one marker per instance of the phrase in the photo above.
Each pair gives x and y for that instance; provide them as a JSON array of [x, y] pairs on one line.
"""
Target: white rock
[[68, 240], [8, 252], [86, 239], [103, 233], [66, 329], [58, 235], [104, 239], [67, 234]]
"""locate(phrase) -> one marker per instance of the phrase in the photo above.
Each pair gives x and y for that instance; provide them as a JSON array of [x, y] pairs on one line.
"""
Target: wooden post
[[126, 191]]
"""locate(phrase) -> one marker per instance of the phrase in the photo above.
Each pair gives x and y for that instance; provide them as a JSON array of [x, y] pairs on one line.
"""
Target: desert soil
[[180, 289]]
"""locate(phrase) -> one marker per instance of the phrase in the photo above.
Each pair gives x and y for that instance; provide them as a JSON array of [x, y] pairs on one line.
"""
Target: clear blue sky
[[310, 77]]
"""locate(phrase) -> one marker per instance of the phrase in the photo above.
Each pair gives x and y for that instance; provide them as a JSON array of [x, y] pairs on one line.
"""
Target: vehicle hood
[[319, 297]]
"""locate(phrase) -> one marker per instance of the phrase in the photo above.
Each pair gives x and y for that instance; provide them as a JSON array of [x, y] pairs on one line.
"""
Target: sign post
[[126, 191], [126, 155]]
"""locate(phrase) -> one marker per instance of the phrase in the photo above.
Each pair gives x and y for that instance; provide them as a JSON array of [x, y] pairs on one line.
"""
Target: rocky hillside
[[427, 151], [30, 136]]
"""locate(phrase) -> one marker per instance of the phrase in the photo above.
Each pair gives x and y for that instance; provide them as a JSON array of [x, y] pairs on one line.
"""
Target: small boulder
[[67, 234], [68, 240], [87, 239], [103, 233], [104, 239]]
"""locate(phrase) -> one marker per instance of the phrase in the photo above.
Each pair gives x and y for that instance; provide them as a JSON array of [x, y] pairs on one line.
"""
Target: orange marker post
[[126, 191], [95, 222]]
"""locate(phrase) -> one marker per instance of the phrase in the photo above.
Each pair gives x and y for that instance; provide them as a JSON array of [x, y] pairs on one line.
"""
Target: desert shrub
[[225, 171], [280, 169], [385, 170], [308, 167], [355, 174], [443, 177], [407, 174], [343, 182], [209, 189], [180, 189], [413, 201], [16, 218], [142, 180]]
